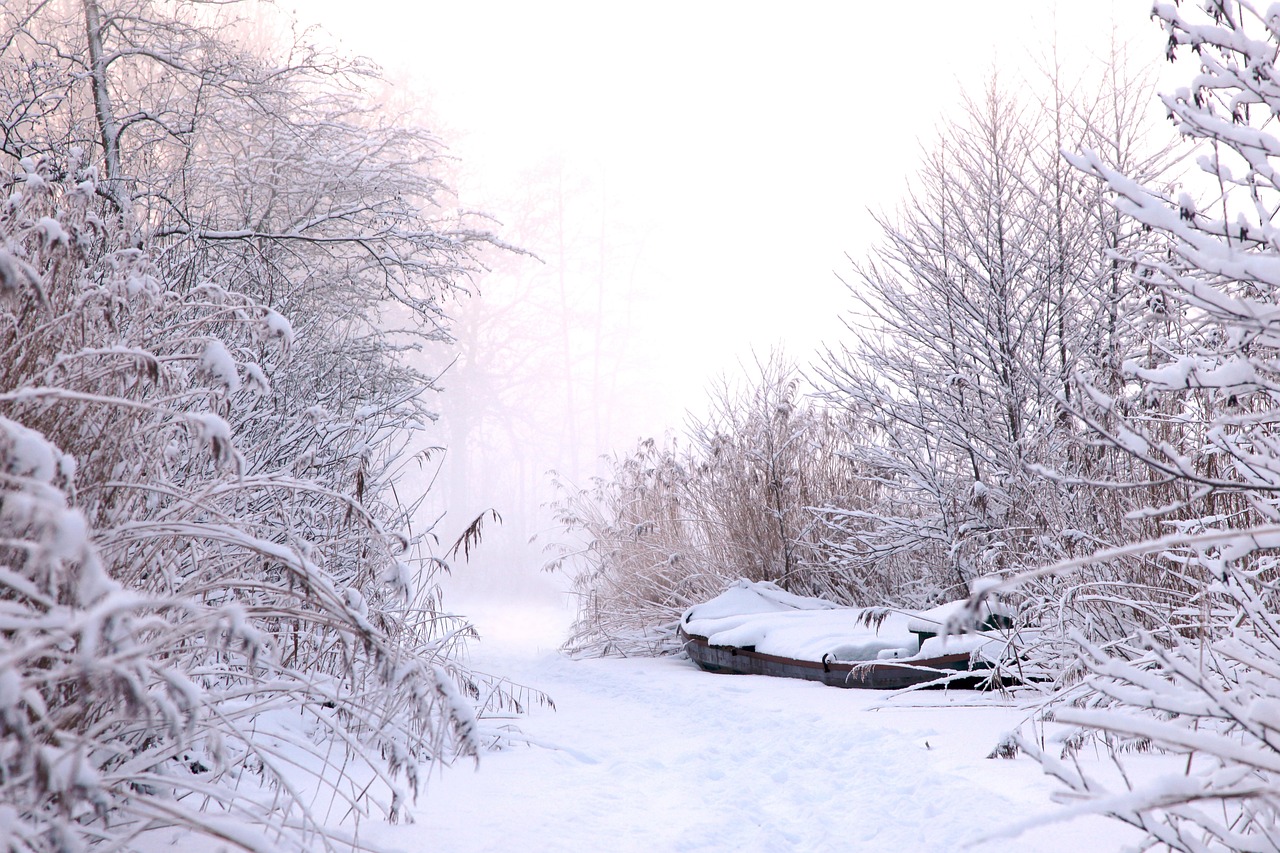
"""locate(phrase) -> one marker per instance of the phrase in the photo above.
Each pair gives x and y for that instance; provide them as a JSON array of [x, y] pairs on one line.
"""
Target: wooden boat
[[952, 670]]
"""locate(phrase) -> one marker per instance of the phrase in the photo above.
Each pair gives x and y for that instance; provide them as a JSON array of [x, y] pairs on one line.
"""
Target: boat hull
[[872, 675]]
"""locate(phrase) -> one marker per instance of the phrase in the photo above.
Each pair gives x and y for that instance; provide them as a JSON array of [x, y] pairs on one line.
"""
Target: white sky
[[743, 142], [737, 147]]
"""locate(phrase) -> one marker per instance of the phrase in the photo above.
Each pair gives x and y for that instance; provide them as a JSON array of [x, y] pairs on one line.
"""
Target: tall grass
[[668, 526]]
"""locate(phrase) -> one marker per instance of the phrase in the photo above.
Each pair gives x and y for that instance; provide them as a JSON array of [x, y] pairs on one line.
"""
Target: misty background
[[689, 181]]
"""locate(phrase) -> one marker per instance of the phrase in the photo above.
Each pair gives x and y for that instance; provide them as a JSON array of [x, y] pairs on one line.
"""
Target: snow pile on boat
[[761, 617]]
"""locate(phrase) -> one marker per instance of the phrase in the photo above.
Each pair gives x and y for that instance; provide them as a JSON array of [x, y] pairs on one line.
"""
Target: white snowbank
[[659, 756], [745, 597], [642, 754]]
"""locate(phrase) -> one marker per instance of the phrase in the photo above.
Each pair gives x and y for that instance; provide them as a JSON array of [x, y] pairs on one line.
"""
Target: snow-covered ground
[[659, 756]]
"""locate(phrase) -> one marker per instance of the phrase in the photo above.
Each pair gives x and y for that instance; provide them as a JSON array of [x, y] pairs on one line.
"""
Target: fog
[[687, 178]]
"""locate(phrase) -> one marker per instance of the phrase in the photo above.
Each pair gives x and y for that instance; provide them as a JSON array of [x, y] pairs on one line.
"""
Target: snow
[[1198, 372], [745, 597], [256, 379], [661, 756], [774, 622], [651, 754], [14, 272], [809, 634], [215, 432], [936, 619], [277, 326], [217, 362], [950, 645], [1265, 711], [28, 453], [10, 689], [51, 231]]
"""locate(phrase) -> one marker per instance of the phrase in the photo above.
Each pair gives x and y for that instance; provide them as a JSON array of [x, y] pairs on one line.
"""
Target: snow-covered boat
[[760, 629]]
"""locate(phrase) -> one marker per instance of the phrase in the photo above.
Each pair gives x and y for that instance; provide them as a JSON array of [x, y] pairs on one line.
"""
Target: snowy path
[[665, 757]]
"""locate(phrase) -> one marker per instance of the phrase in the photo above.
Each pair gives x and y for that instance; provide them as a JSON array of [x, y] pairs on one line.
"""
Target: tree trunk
[[108, 127]]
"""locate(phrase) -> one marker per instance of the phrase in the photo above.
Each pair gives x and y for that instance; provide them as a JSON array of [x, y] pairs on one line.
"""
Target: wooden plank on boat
[[872, 675]]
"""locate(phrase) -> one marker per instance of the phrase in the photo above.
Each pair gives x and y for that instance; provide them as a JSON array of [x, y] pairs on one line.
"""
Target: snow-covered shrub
[[162, 594], [215, 611], [1206, 687], [669, 526]]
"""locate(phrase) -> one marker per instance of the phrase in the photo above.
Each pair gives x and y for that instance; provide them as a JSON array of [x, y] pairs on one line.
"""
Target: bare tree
[[956, 370], [996, 286]]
